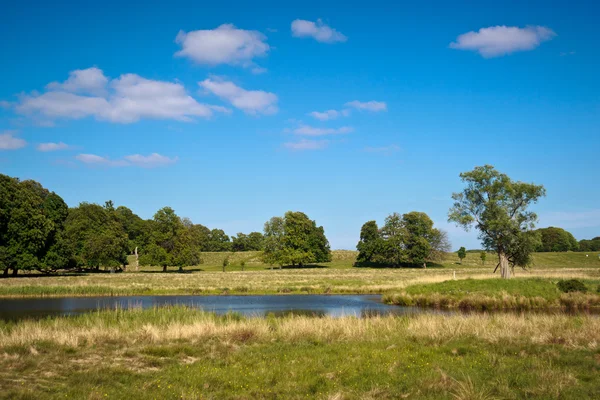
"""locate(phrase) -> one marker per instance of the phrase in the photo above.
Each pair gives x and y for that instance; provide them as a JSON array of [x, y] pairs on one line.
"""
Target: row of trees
[[38, 231], [408, 239]]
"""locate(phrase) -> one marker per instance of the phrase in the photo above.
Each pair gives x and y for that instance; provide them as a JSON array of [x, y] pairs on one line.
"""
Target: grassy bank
[[335, 277], [185, 353], [497, 294]]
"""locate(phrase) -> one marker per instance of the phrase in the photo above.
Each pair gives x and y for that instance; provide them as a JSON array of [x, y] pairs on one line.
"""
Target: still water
[[317, 305]]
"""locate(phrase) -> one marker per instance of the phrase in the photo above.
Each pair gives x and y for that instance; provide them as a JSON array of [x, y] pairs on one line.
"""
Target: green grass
[[495, 294], [176, 353], [337, 276]]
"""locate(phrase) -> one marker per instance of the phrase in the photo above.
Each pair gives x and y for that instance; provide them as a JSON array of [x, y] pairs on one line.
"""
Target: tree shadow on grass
[[308, 266], [173, 271], [42, 275], [430, 265]]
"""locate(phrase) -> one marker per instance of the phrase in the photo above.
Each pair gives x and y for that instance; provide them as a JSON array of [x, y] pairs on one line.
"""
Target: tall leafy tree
[[556, 239], [498, 208], [95, 237], [31, 225], [295, 240], [174, 241], [369, 246]]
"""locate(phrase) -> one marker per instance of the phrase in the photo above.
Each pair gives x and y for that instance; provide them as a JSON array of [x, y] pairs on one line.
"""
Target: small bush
[[571, 285]]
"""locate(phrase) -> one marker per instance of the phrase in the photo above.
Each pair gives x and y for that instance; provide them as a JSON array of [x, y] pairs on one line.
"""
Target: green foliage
[[251, 242], [482, 256], [295, 240], [590, 245], [571, 285], [95, 237], [408, 239], [497, 207], [31, 226], [174, 241], [556, 239], [462, 253]]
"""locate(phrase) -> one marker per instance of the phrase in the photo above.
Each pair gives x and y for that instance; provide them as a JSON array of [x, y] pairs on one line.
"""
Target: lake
[[314, 305]]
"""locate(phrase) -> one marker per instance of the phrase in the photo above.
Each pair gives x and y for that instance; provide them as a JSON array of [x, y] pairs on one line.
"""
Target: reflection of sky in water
[[314, 305]]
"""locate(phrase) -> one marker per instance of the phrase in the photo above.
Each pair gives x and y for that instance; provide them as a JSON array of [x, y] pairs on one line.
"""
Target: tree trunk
[[424, 265], [164, 268], [15, 271], [504, 266], [5, 273], [137, 260]]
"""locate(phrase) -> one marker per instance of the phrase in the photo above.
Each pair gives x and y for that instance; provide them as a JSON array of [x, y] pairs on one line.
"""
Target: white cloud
[[374, 106], [497, 41], [250, 101], [5, 104], [8, 141], [52, 146], [90, 81], [306, 144], [317, 30], [126, 99], [92, 159], [307, 130], [223, 45], [150, 161], [383, 149], [329, 114]]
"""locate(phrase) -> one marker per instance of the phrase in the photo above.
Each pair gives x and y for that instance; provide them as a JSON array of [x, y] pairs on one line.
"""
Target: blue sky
[[233, 114]]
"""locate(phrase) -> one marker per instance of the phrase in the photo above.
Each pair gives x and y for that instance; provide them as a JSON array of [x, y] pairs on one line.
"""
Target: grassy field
[[337, 276], [498, 294], [179, 353], [182, 353]]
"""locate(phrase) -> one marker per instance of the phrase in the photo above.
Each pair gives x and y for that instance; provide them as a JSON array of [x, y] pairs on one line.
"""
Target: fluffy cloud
[[8, 141], [306, 144], [317, 30], [329, 114], [90, 81], [307, 130], [374, 106], [45, 147], [223, 45], [125, 100], [250, 101], [497, 41], [150, 161]]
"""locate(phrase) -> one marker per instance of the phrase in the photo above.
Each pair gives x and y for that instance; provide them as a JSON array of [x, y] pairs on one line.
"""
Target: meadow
[[185, 353], [336, 277], [181, 353]]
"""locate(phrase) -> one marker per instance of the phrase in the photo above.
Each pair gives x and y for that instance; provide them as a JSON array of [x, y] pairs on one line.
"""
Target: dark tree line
[[38, 231]]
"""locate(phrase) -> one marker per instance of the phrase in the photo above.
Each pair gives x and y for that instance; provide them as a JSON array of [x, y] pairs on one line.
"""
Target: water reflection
[[362, 306]]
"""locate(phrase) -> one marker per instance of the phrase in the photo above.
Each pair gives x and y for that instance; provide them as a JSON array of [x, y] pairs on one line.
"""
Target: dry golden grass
[[157, 326]]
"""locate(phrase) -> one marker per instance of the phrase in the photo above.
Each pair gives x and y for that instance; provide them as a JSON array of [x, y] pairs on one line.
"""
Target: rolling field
[[184, 353], [337, 276]]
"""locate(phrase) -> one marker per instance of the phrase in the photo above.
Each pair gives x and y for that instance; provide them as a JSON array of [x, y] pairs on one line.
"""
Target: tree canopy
[[556, 239], [31, 225], [408, 239], [498, 208], [295, 240]]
